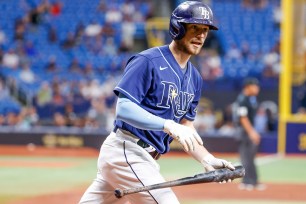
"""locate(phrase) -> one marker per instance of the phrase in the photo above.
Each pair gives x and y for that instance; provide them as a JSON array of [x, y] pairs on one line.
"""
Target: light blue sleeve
[[136, 116]]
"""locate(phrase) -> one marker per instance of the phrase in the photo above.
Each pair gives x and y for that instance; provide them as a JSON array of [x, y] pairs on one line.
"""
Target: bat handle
[[119, 193]]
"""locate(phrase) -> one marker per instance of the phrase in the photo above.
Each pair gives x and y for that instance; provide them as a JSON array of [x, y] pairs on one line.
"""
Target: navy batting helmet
[[190, 12]]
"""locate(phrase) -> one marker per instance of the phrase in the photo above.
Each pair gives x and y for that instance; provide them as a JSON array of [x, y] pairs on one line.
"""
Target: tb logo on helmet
[[204, 12]]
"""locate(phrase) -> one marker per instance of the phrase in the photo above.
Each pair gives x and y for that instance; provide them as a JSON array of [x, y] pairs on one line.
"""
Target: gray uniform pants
[[247, 151], [124, 164]]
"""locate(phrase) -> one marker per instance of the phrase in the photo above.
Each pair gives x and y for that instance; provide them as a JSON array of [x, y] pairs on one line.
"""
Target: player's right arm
[[133, 114]]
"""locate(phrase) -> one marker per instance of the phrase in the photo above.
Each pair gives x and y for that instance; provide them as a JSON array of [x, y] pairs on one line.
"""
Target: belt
[[154, 154]]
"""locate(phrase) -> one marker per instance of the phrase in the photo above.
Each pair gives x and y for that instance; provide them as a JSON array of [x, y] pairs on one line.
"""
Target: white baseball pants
[[124, 164]]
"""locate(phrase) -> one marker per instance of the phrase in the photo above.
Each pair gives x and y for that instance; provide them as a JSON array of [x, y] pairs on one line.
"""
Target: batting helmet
[[190, 12]]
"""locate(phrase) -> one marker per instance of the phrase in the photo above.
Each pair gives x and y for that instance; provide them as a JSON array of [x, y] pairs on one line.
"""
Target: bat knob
[[119, 193]]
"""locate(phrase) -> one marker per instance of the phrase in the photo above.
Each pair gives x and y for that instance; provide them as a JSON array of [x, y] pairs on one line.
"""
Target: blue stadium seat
[[253, 26]]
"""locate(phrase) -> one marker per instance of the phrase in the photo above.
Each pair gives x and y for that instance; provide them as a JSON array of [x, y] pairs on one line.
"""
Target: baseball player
[[157, 103]]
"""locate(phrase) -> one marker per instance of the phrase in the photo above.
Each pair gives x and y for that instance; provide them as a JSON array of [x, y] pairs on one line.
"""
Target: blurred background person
[[249, 138]]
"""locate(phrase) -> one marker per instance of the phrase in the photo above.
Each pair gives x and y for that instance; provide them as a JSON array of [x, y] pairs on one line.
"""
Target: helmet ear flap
[[182, 31], [177, 29]]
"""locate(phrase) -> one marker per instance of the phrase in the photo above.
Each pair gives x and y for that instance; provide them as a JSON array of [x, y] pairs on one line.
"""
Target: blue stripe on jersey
[[154, 80], [189, 80]]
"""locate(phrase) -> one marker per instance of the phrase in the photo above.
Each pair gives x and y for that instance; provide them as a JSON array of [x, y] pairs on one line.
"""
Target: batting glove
[[186, 136], [211, 163]]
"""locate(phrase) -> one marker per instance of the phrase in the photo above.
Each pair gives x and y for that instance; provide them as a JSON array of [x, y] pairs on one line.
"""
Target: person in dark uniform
[[249, 138]]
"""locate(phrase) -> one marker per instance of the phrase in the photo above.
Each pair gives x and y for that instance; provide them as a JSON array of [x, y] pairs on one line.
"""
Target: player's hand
[[186, 136], [255, 137], [211, 163]]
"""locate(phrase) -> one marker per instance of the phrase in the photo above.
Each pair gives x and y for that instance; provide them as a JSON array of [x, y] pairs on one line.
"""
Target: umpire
[[246, 108]]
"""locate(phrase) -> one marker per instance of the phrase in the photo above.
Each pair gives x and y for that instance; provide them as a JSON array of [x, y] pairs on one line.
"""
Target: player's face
[[194, 38]]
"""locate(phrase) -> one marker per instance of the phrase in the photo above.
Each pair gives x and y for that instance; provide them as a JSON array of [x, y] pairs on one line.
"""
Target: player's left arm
[[199, 152], [202, 155]]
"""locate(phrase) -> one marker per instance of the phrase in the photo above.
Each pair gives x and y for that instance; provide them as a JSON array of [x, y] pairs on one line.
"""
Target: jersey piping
[[117, 87], [169, 65]]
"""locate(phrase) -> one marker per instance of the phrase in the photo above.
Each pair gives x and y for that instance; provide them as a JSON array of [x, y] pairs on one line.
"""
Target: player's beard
[[188, 47]]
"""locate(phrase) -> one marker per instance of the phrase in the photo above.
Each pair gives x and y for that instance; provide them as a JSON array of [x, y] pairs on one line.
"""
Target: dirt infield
[[278, 192]]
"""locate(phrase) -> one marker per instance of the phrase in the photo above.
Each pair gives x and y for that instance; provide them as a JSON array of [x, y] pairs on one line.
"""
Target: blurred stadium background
[[60, 59]]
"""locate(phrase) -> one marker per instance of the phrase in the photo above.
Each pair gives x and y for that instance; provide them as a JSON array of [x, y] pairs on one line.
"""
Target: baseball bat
[[218, 175]]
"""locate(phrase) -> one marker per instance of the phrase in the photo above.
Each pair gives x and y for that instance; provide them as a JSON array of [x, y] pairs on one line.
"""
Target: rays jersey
[[154, 80]]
